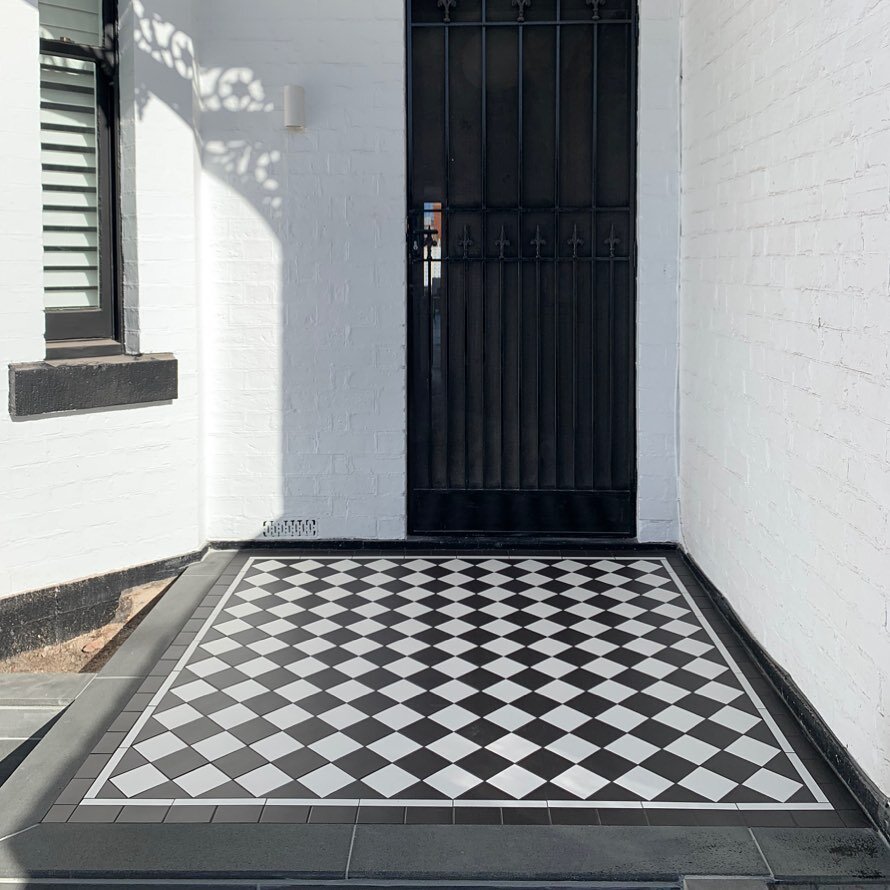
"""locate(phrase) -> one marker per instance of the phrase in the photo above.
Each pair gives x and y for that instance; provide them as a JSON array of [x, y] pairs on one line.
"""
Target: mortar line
[[349, 854], [769, 868]]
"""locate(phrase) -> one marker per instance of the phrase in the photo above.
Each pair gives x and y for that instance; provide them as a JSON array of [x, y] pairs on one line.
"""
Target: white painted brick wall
[[303, 266], [785, 384], [272, 264], [97, 491], [658, 241]]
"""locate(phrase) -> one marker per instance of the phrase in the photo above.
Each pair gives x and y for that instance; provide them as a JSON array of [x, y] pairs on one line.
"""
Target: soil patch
[[89, 652]]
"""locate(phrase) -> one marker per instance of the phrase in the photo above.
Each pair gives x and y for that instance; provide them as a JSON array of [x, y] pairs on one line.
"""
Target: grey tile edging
[[851, 774], [30, 792]]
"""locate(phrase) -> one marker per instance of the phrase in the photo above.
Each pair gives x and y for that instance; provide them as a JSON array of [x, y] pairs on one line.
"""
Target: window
[[78, 112]]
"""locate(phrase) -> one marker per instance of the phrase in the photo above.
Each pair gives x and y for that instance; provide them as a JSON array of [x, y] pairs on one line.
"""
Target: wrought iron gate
[[521, 256]]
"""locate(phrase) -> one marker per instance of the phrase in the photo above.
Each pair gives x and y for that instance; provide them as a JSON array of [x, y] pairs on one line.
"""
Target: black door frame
[[496, 533]]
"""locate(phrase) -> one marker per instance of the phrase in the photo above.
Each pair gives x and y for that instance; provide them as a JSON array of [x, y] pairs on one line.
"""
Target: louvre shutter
[[68, 117], [79, 21]]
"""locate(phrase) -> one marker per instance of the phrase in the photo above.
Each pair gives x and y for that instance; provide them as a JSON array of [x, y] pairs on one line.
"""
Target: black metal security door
[[521, 118]]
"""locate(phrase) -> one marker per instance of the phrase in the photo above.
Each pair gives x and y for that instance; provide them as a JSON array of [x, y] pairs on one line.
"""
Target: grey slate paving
[[42, 689], [186, 851], [31, 791], [12, 754], [544, 853], [724, 884], [822, 853], [26, 722]]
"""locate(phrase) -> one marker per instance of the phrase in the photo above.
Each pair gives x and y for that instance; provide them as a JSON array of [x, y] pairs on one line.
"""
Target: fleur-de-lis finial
[[466, 242], [502, 243], [538, 242], [575, 242], [596, 4], [447, 5], [612, 242], [521, 5]]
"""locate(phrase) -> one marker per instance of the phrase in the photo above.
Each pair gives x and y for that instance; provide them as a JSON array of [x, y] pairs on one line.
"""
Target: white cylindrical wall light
[[294, 107]]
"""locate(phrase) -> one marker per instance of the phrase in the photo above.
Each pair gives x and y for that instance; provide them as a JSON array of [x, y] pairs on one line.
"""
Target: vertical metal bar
[[612, 242], [428, 243], [444, 267], [484, 182], [575, 243], [594, 73], [632, 246], [520, 37], [466, 243], [502, 244], [539, 356], [412, 384], [558, 202]]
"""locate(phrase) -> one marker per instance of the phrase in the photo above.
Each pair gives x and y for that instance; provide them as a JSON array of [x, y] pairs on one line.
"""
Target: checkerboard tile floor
[[455, 681]]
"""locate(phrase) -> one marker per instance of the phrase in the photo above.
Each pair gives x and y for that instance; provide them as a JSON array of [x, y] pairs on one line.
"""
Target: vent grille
[[290, 528]]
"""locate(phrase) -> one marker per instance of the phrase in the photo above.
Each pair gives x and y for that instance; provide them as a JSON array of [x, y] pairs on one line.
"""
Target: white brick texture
[[785, 383], [97, 491], [303, 266], [658, 241]]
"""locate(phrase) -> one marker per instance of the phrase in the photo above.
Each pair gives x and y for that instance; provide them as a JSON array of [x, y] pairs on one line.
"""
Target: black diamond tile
[[239, 762], [566, 634], [179, 763]]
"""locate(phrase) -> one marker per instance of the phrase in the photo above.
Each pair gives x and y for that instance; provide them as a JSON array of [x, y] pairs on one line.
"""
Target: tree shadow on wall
[[250, 311]]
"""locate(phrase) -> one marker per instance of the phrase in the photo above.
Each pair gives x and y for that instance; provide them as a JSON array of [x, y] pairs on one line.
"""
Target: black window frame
[[75, 332]]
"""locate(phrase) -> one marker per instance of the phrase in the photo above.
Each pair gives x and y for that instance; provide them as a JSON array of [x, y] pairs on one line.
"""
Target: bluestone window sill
[[61, 385]]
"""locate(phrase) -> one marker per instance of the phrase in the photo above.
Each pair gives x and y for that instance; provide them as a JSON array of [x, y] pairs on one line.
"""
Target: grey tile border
[[481, 852], [243, 815], [85, 814], [159, 629], [142, 815], [183, 814], [809, 724], [285, 814], [29, 793]]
